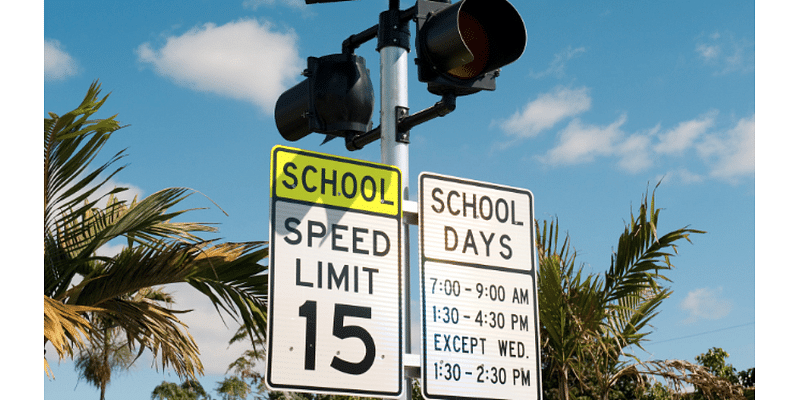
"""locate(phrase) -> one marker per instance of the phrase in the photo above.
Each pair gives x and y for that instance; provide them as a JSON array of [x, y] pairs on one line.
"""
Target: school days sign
[[480, 327], [335, 323]]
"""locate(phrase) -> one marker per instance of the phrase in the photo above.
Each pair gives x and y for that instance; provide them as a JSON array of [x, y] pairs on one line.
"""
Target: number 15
[[309, 311]]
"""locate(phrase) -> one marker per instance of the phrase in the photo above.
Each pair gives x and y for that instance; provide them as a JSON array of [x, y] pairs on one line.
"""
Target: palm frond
[[71, 143], [64, 327], [548, 244], [72, 246], [679, 372], [231, 277], [641, 255], [589, 321], [134, 268], [568, 309], [149, 221], [118, 289], [67, 157], [149, 326]]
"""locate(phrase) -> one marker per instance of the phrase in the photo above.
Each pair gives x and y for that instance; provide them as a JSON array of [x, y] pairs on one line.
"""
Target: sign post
[[478, 263], [340, 258], [335, 321], [393, 46]]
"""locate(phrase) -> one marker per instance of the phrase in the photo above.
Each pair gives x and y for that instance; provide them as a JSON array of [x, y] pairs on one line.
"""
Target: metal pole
[[394, 94]]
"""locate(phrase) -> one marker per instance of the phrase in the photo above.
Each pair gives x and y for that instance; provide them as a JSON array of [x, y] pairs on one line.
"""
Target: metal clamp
[[400, 114]]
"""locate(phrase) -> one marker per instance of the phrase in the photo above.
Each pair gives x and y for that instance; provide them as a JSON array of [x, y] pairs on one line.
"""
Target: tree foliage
[[714, 361], [708, 385], [188, 390], [81, 286], [245, 378], [233, 388], [589, 321], [103, 357]]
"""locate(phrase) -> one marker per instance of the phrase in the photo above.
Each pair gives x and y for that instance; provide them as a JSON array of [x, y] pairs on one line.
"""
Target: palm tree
[[233, 388], [589, 321], [564, 307], [102, 358], [81, 286], [110, 353], [188, 390], [248, 378]]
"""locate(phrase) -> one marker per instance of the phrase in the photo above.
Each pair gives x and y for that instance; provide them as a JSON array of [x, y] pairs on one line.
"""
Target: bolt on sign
[[335, 322], [480, 325]]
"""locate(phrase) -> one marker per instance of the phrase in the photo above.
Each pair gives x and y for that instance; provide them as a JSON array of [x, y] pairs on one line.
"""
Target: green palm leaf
[[589, 322], [80, 286], [641, 255], [67, 157]]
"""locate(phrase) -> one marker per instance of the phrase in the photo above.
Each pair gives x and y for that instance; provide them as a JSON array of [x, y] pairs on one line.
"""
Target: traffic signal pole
[[393, 44], [460, 49], [394, 99]]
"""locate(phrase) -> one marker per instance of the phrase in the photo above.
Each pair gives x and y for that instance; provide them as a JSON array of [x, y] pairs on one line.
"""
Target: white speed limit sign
[[335, 286]]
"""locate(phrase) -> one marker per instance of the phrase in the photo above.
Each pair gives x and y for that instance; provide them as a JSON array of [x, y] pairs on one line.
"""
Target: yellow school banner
[[335, 181]]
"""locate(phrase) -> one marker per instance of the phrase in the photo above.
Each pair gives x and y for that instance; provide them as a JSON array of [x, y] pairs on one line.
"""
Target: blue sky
[[608, 99]]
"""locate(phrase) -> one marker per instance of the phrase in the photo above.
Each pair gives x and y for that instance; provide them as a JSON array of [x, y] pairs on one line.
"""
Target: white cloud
[[729, 154], [581, 143], [683, 136], [708, 52], [705, 303], [547, 110], [726, 53], [58, 64], [683, 175], [559, 63], [244, 60], [732, 153], [634, 153], [255, 4]]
